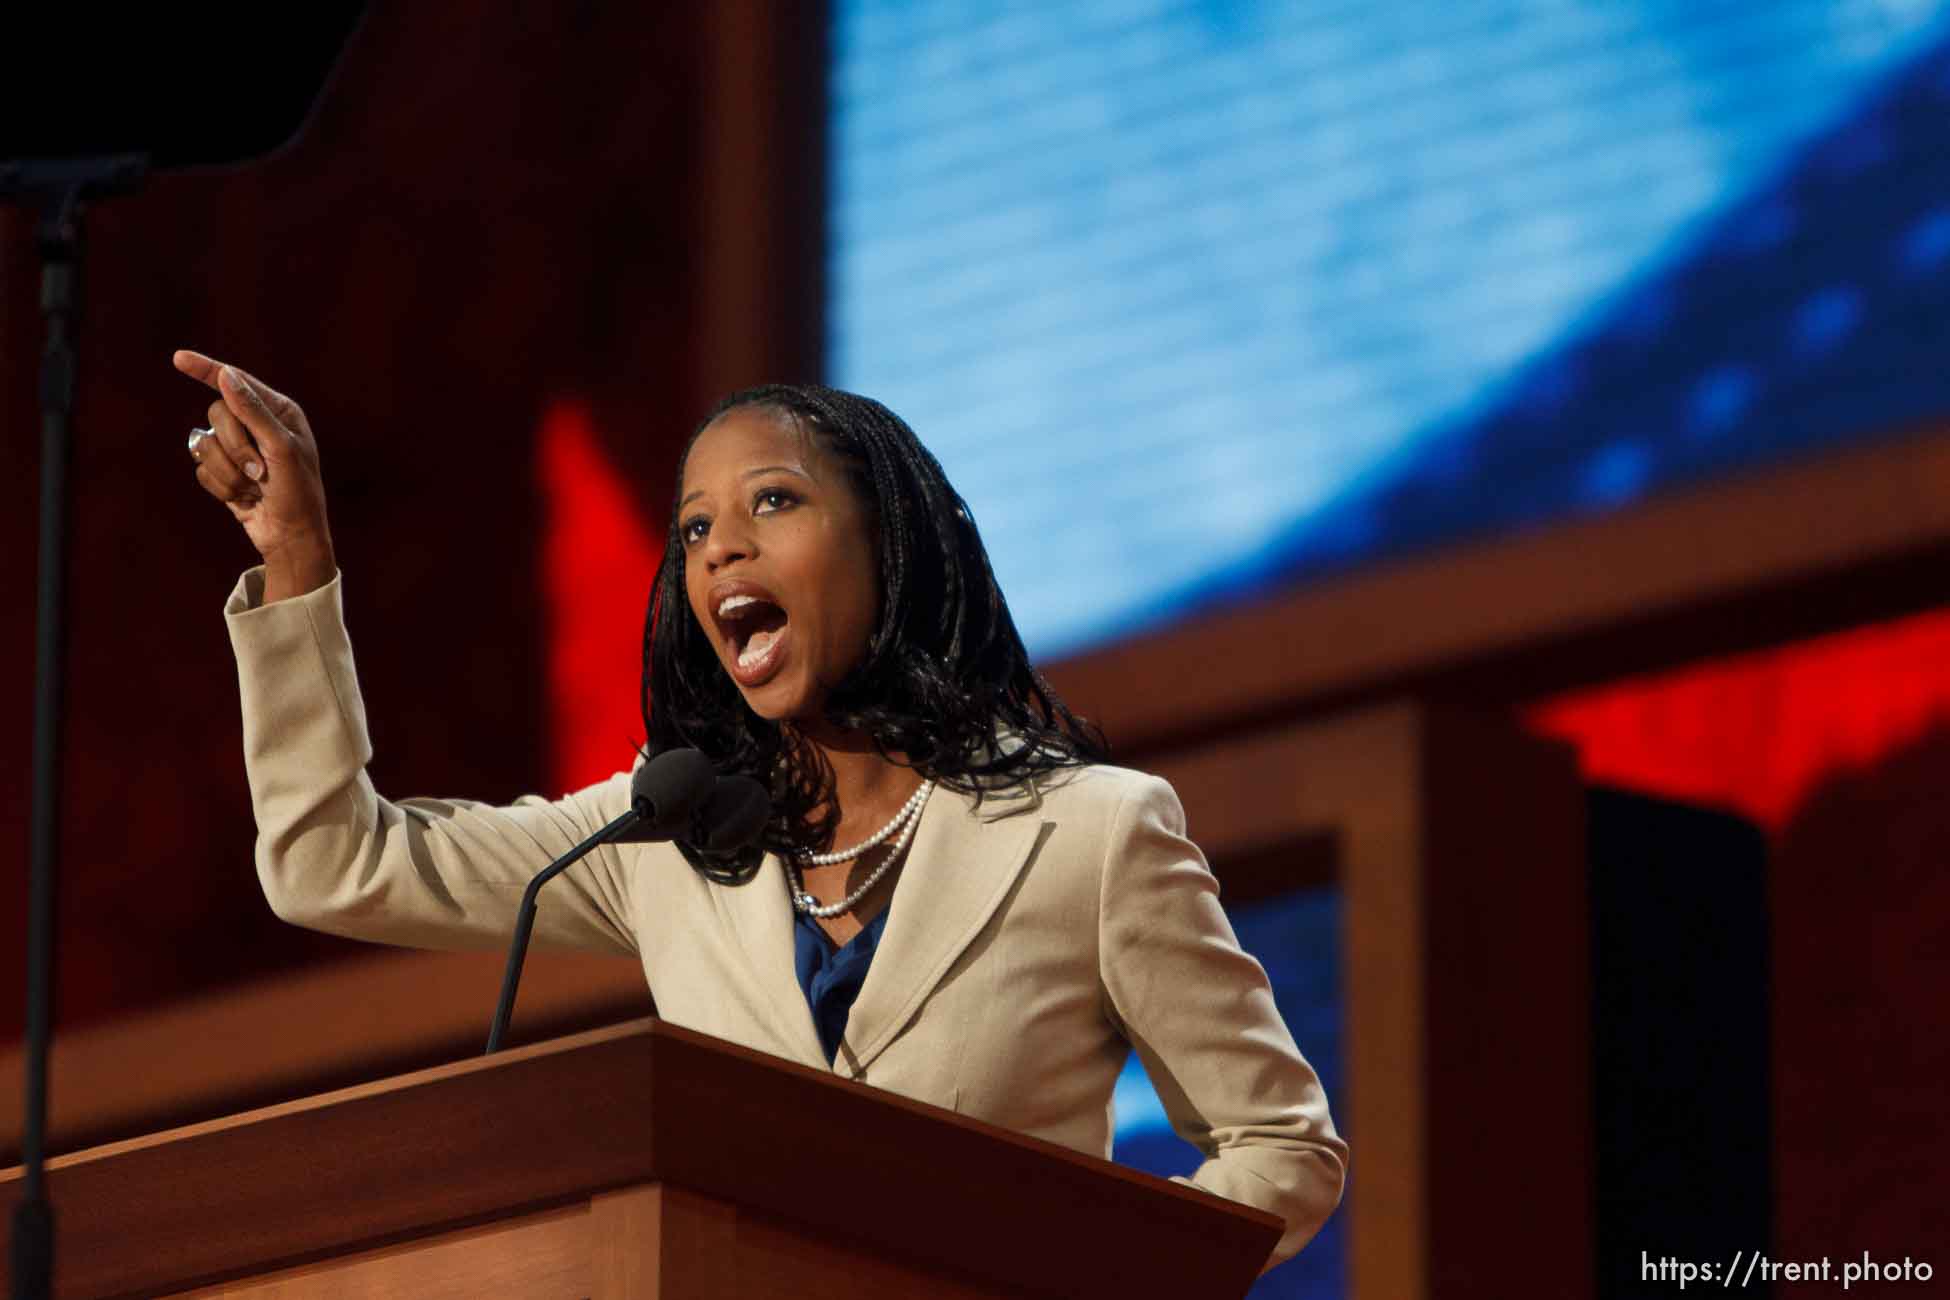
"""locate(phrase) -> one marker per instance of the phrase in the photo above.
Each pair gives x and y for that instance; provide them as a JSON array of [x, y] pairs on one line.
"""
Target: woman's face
[[779, 561]]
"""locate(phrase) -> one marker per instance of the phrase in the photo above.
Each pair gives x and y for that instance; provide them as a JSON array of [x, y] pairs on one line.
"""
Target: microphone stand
[[525, 920], [60, 186], [676, 790]]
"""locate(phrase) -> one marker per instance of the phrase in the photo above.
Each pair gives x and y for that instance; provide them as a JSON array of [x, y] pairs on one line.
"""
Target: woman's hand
[[262, 463]]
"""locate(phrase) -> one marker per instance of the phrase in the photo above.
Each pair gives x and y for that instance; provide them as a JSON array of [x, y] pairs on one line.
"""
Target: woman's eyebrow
[[754, 473]]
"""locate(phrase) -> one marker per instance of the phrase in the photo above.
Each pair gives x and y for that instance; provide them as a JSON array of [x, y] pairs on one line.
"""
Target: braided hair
[[945, 686]]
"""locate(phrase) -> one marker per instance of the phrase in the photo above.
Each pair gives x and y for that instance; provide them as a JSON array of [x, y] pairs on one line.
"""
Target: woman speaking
[[956, 898]]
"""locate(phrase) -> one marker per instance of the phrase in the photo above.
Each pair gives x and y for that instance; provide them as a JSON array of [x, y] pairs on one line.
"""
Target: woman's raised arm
[[332, 854]]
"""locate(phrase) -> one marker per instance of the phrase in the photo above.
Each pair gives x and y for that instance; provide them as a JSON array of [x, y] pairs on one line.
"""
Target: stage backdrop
[[511, 246], [1199, 299], [1202, 301]]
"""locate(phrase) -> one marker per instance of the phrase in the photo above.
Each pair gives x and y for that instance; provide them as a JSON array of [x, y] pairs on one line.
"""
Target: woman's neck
[[864, 782]]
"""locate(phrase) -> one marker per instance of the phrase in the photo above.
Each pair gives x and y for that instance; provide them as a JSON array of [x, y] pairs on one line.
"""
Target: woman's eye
[[693, 530], [772, 499]]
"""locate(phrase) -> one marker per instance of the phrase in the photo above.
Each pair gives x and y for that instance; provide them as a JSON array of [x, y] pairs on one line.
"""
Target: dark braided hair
[[945, 682]]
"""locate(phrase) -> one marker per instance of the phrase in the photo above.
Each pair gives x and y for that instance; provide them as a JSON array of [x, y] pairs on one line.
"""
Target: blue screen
[[1200, 300]]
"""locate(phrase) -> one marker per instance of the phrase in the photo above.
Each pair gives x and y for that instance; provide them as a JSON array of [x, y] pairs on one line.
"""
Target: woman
[[956, 899]]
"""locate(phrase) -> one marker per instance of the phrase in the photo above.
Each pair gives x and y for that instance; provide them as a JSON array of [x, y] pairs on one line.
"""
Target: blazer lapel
[[760, 913], [959, 867]]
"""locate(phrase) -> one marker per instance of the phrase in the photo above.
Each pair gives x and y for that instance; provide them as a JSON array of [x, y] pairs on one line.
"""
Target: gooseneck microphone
[[676, 795]]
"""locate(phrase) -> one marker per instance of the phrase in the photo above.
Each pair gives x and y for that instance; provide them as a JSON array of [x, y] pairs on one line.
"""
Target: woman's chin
[[775, 701], [769, 711]]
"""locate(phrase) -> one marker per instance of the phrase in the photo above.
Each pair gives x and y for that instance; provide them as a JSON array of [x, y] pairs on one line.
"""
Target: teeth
[[756, 648], [735, 602]]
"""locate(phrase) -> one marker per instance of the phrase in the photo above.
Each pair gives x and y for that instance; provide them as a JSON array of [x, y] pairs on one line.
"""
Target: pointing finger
[[250, 407], [209, 371], [196, 366], [279, 405]]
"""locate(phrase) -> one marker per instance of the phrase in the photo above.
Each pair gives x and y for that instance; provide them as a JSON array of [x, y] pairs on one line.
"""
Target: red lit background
[[1757, 733], [598, 546]]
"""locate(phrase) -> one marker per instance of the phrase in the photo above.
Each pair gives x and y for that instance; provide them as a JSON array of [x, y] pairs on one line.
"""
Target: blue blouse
[[830, 976]]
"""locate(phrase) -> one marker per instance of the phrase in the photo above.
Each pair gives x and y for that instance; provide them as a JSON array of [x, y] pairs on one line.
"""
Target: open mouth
[[755, 629]]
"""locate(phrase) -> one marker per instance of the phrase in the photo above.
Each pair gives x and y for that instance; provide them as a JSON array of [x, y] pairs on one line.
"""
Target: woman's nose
[[727, 541]]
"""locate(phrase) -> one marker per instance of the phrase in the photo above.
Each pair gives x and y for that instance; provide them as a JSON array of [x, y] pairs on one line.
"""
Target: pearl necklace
[[904, 821]]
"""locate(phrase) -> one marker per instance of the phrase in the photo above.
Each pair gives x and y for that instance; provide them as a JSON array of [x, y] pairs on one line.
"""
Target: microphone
[[725, 812], [665, 794], [676, 795]]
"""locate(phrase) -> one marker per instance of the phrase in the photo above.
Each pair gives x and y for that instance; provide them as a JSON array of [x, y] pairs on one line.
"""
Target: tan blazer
[[1027, 943]]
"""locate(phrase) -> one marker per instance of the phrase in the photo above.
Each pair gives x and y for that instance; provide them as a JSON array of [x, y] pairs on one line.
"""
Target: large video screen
[[1200, 300]]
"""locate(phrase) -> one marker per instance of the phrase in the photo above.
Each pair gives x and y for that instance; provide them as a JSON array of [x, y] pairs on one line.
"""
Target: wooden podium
[[639, 1160]]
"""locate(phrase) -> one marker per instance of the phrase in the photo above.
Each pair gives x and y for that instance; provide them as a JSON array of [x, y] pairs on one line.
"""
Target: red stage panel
[[599, 557], [1758, 732]]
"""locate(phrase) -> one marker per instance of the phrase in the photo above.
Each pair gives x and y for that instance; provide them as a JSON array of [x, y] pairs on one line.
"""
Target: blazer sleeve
[[1200, 1013], [427, 873]]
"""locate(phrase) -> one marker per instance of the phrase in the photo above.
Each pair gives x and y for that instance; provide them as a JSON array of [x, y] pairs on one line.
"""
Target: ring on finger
[[196, 442]]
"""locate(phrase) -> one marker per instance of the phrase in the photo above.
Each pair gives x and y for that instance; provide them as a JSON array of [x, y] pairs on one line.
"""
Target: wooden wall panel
[[495, 207], [1861, 1038], [1459, 854]]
